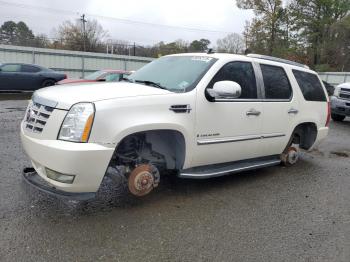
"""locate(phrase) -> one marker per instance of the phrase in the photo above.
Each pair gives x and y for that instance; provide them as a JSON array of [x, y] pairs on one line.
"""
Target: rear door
[[9, 77], [280, 107]]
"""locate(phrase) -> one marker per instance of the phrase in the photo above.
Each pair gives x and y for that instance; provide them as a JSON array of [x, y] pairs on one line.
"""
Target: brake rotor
[[143, 179], [290, 157]]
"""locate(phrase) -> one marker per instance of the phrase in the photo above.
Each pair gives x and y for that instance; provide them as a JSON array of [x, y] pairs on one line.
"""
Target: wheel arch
[[169, 142], [46, 79], [304, 134]]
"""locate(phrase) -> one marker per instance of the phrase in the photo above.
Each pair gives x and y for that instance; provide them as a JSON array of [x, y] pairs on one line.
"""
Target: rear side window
[[310, 86], [30, 69], [241, 73], [276, 82], [11, 68]]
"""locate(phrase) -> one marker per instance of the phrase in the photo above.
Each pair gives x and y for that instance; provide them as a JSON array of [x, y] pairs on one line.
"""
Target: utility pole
[[83, 20], [134, 49]]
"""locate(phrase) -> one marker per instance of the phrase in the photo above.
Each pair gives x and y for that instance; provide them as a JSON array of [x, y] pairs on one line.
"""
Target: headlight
[[77, 124], [336, 92]]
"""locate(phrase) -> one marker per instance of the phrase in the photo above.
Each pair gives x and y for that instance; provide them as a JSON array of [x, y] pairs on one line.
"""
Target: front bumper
[[88, 162], [340, 106], [32, 178]]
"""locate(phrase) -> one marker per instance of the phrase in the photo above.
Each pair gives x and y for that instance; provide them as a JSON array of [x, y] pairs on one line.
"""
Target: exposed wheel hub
[[143, 179], [290, 156]]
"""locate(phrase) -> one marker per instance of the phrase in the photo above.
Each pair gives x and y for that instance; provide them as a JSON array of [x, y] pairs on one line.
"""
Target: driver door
[[229, 129]]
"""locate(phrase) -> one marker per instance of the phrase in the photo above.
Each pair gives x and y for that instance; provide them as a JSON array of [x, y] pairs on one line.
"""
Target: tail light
[[328, 113], [65, 76]]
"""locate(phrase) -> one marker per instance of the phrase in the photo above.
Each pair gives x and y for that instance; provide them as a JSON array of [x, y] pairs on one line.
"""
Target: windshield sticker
[[183, 84], [202, 58]]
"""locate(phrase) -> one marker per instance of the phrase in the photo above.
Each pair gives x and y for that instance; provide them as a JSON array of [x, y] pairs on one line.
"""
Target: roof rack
[[276, 59], [210, 51]]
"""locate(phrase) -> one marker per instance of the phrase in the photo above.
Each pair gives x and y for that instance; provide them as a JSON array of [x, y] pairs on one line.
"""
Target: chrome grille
[[37, 116], [346, 96], [344, 93]]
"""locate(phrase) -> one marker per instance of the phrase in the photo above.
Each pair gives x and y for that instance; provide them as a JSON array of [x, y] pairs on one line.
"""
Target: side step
[[216, 170]]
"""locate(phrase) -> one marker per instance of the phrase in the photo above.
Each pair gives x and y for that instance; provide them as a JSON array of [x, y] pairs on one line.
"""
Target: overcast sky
[[221, 16]]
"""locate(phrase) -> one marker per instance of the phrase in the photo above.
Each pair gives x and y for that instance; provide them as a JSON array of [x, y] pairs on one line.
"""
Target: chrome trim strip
[[232, 170], [237, 139], [272, 135], [44, 101], [251, 100], [226, 140]]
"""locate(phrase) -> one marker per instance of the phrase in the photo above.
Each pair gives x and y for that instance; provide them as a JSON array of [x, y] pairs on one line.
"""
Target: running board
[[216, 170]]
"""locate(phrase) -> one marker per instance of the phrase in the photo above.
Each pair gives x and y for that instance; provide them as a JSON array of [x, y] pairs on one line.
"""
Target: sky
[[143, 22]]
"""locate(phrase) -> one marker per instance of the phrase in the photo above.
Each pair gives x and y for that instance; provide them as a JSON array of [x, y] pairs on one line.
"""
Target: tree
[[199, 45], [338, 46], [232, 43], [16, 34], [41, 40], [73, 36], [313, 19], [268, 16]]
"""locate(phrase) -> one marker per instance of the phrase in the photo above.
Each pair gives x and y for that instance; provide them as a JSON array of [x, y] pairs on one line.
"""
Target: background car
[[27, 77], [102, 75]]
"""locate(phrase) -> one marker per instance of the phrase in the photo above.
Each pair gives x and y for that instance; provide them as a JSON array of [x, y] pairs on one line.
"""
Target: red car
[[102, 75]]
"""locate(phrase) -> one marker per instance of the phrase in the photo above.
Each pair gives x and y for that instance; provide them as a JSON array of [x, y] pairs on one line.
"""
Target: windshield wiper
[[150, 83]]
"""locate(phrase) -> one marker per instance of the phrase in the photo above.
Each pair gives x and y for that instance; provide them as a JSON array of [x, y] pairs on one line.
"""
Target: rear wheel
[[48, 82], [337, 118]]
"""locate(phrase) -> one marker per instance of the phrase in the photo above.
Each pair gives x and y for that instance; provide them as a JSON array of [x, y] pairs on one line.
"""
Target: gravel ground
[[300, 213]]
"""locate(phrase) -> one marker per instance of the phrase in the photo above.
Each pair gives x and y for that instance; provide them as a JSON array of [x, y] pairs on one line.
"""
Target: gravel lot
[[274, 214]]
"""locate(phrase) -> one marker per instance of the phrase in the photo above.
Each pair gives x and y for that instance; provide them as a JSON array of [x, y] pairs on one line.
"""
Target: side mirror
[[225, 89]]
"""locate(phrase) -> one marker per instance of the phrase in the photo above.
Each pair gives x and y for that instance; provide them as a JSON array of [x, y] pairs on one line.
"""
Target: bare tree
[[73, 37], [268, 12], [232, 43]]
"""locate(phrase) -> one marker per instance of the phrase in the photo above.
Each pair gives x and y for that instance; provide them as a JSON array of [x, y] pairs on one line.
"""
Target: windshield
[[175, 73], [95, 75]]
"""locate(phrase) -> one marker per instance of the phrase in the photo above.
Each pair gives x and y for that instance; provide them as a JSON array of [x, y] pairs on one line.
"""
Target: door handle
[[253, 112], [293, 111]]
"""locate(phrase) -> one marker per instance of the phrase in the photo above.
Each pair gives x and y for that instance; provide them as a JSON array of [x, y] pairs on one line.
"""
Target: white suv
[[200, 115]]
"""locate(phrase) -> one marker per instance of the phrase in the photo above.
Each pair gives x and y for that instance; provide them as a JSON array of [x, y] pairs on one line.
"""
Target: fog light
[[68, 179]]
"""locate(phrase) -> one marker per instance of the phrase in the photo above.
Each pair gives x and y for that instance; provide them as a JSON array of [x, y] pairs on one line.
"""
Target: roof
[[253, 58]]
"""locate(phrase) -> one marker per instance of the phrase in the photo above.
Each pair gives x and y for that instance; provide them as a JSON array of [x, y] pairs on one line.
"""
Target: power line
[[120, 20]]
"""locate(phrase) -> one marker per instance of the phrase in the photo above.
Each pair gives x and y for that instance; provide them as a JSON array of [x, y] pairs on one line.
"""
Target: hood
[[72, 81], [64, 96]]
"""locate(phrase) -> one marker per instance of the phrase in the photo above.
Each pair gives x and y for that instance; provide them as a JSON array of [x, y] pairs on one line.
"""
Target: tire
[[48, 82], [337, 118]]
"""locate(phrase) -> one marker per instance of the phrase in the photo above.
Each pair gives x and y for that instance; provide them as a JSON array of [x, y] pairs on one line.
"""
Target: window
[[96, 75], [276, 82], [112, 77], [241, 73], [30, 69], [175, 73], [310, 86], [11, 68]]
